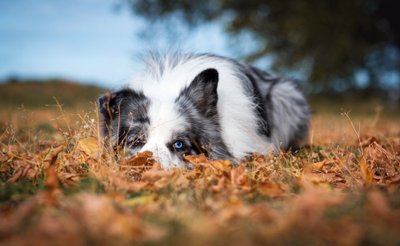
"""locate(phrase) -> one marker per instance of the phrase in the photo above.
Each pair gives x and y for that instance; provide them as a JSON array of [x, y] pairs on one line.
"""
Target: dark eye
[[179, 145]]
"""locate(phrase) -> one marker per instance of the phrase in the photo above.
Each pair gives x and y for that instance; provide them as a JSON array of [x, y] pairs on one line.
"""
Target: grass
[[57, 186], [39, 94]]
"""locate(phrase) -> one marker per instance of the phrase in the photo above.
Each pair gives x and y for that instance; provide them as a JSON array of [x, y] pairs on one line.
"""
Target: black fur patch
[[123, 118], [263, 122], [198, 104], [202, 92]]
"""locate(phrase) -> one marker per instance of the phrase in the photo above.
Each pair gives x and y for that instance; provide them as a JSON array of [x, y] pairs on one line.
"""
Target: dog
[[188, 104]]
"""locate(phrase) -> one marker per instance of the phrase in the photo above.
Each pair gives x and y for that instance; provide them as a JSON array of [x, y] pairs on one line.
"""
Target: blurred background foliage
[[345, 53], [337, 46]]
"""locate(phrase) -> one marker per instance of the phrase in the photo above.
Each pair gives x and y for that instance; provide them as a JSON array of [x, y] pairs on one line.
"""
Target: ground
[[58, 187]]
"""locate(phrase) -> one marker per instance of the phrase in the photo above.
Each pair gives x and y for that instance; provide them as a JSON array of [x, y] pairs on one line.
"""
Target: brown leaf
[[367, 141], [219, 186], [271, 189], [366, 172], [196, 159], [51, 181], [141, 159], [24, 171], [17, 175], [239, 176], [314, 167], [52, 156], [222, 165], [90, 146], [69, 179], [155, 174]]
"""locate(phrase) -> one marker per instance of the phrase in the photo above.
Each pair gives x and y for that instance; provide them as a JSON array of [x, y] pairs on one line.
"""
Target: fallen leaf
[[140, 159], [90, 146], [314, 167], [221, 165], [271, 189], [366, 172], [196, 159], [155, 174]]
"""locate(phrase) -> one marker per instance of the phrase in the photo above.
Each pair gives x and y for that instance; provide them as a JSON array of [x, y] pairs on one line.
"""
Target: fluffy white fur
[[238, 126], [165, 121], [256, 111]]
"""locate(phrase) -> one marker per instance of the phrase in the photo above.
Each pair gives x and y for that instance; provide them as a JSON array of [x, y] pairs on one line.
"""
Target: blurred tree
[[336, 41]]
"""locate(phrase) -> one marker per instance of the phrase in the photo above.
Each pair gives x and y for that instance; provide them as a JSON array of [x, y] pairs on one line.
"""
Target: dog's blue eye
[[178, 144]]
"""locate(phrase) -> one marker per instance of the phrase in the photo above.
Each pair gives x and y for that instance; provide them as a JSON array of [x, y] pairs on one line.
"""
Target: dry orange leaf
[[52, 156], [221, 164], [155, 174], [314, 167], [196, 159], [140, 159], [271, 189], [90, 146], [365, 172], [22, 172]]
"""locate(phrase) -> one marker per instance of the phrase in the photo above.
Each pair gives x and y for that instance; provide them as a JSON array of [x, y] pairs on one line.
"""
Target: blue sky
[[85, 40]]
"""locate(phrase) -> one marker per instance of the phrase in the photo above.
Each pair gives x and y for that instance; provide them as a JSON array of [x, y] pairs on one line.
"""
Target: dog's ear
[[108, 108], [107, 112], [202, 92], [111, 105]]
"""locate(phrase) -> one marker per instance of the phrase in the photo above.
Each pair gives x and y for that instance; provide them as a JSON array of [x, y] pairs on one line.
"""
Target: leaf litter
[[342, 189]]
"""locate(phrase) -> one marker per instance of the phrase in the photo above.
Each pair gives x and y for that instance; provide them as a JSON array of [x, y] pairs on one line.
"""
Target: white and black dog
[[187, 104]]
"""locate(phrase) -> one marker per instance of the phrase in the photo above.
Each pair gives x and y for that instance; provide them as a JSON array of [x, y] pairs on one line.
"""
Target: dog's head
[[169, 127]]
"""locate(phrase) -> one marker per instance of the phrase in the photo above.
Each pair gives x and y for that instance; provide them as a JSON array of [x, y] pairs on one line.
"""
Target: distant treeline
[[42, 93], [39, 94]]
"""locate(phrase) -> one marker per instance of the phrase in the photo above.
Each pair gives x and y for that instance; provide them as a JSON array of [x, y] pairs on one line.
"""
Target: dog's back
[[286, 110]]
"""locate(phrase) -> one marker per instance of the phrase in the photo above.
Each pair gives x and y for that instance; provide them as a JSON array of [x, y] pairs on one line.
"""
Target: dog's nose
[[154, 149], [161, 154]]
